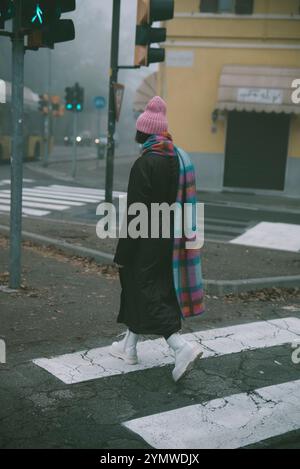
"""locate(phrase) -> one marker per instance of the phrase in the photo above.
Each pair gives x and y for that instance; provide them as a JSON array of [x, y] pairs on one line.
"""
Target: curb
[[213, 287], [227, 287], [98, 256]]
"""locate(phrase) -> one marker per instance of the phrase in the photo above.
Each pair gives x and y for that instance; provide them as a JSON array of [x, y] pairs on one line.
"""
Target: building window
[[240, 7]]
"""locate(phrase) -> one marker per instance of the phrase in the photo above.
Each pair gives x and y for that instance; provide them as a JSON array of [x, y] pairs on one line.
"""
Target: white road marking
[[62, 196], [54, 197], [282, 236], [43, 199], [26, 211], [228, 423], [87, 190], [6, 182], [98, 363], [87, 197], [39, 205]]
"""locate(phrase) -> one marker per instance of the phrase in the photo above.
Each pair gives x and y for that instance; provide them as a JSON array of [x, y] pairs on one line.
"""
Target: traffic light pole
[[114, 55], [74, 162], [17, 149], [47, 133]]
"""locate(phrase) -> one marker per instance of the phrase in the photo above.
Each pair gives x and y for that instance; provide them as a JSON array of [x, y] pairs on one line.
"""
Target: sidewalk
[[227, 268]]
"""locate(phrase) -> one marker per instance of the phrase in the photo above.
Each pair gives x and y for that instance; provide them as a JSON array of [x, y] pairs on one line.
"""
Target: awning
[[31, 99], [257, 88]]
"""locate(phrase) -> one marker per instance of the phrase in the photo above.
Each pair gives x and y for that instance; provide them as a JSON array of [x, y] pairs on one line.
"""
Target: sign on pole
[[99, 102], [119, 94]]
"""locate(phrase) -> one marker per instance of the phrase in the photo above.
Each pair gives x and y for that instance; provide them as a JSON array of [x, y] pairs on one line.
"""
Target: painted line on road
[[38, 205], [231, 422], [98, 363], [64, 194], [43, 199], [86, 190], [6, 182], [26, 211], [282, 236]]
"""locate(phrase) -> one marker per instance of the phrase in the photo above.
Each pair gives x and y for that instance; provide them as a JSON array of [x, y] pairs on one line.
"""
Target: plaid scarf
[[161, 144], [187, 271]]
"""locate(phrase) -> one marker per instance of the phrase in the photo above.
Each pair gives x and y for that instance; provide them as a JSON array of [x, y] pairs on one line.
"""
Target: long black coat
[[148, 299]]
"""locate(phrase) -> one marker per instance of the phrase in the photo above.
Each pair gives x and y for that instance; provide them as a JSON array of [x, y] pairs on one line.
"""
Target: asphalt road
[[243, 393]]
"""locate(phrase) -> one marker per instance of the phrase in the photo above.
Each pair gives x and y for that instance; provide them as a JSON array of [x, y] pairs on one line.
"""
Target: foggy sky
[[86, 59]]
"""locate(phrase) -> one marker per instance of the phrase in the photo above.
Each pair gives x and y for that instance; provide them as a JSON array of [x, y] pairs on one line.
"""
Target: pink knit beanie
[[154, 118]]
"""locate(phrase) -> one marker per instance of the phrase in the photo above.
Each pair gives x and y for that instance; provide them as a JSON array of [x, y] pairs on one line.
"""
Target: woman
[[160, 278]]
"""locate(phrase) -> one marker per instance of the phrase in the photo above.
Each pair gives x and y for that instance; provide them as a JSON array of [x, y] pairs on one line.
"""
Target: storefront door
[[256, 150]]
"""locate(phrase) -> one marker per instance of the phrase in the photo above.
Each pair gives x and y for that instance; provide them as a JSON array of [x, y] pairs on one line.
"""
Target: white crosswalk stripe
[[282, 236], [42, 200], [98, 363], [233, 421]]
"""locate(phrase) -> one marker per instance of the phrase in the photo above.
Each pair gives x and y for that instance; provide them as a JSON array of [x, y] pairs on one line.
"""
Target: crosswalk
[[41, 201], [232, 421]]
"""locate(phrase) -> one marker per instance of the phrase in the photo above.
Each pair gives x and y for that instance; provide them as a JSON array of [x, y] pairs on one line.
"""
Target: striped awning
[[257, 88], [31, 99], [146, 91]]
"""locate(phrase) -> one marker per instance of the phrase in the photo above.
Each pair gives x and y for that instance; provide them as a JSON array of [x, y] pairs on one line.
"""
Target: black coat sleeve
[[139, 190]]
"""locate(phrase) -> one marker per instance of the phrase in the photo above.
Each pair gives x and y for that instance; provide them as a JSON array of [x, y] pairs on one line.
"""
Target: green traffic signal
[[41, 21], [74, 98], [38, 17]]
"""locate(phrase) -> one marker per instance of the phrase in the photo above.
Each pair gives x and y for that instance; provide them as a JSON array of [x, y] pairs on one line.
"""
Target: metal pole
[[47, 116], [17, 149], [74, 165], [114, 55], [99, 123]]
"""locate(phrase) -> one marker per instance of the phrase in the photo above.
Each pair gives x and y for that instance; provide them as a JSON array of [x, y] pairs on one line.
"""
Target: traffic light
[[6, 11], [74, 98], [69, 98], [55, 106], [78, 97], [41, 20], [148, 12], [44, 103]]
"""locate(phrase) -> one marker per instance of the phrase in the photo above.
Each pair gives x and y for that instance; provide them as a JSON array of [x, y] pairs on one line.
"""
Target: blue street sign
[[99, 102]]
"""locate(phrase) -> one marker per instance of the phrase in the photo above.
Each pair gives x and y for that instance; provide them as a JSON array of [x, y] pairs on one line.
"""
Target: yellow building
[[228, 80]]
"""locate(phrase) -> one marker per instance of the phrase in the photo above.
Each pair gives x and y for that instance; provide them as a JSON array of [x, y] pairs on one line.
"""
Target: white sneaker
[[126, 348], [186, 355]]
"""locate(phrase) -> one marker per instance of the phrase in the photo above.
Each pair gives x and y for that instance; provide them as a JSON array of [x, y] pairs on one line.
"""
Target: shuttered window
[[209, 6], [244, 7], [240, 7]]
